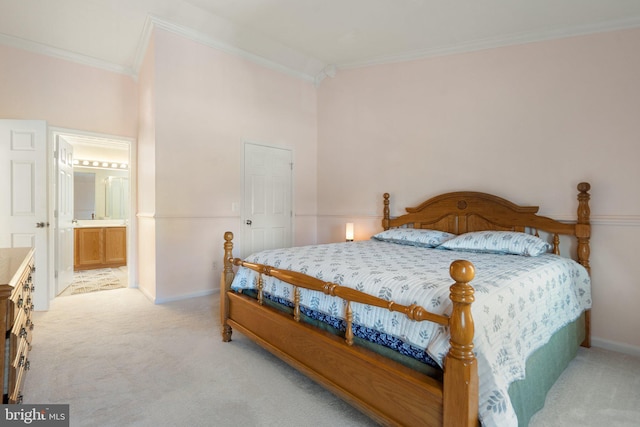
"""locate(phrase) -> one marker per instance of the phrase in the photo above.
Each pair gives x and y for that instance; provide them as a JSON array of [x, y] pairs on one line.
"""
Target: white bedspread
[[520, 301]]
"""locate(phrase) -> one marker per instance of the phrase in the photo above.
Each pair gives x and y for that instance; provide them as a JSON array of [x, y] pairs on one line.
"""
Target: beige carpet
[[119, 360]]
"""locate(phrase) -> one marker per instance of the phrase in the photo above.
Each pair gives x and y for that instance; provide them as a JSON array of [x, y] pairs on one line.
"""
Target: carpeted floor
[[119, 360]]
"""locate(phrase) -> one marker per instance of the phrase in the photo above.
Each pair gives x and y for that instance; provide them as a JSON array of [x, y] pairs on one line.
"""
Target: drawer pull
[[31, 326], [20, 302], [27, 365], [21, 362], [23, 332], [19, 399]]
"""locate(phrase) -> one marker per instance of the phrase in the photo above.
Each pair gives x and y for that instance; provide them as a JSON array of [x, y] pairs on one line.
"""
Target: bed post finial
[[225, 284], [460, 368], [386, 219]]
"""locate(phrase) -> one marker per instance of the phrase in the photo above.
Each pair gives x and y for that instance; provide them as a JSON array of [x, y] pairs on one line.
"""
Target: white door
[[64, 209], [267, 212], [23, 195]]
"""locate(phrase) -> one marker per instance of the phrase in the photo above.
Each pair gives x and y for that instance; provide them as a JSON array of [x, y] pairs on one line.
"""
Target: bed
[[284, 303]]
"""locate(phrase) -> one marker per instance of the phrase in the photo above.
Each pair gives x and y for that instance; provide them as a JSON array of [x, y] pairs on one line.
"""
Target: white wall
[[525, 122]]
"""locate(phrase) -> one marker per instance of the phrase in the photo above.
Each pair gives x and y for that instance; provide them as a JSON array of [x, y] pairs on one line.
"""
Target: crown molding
[[66, 55], [152, 22], [496, 42], [328, 70], [156, 22], [143, 45]]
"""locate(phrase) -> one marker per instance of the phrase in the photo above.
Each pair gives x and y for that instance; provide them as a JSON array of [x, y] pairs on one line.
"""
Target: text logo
[[35, 415]]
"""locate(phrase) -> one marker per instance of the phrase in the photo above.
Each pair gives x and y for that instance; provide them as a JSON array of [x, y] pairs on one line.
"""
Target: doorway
[[107, 162]]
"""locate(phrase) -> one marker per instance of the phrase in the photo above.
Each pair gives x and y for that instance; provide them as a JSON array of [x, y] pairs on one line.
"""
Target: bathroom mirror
[[84, 197], [100, 194]]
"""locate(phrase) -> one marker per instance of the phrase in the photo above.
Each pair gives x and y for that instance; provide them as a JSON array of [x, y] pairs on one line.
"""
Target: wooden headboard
[[466, 211]]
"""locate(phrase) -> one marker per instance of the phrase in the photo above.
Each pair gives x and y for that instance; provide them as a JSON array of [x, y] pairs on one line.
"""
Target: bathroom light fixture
[[349, 232], [100, 164]]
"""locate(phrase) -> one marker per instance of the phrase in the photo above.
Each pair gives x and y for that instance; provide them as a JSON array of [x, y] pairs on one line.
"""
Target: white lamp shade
[[349, 231]]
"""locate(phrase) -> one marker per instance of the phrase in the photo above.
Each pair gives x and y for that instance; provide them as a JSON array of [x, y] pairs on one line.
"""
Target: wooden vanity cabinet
[[100, 247]]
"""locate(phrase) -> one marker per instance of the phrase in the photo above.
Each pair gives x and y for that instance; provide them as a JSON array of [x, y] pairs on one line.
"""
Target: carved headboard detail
[[467, 211]]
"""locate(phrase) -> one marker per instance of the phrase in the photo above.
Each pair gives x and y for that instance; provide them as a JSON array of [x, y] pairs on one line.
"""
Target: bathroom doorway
[[94, 204]]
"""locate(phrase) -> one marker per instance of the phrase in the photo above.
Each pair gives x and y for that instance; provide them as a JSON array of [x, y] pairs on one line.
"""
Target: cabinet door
[[88, 247], [115, 251]]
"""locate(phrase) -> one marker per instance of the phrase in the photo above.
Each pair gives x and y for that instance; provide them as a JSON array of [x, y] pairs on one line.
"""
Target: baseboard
[[616, 346], [144, 292], [183, 297]]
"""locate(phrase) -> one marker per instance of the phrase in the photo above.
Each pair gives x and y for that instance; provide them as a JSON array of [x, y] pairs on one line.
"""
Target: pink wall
[[207, 104], [526, 122], [146, 248], [66, 94]]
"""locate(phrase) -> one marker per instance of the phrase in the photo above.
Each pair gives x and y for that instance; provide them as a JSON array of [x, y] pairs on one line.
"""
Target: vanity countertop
[[87, 223]]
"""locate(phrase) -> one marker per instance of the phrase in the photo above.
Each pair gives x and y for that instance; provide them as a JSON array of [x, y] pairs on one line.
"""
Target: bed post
[[583, 228], [460, 392], [386, 218], [225, 283], [583, 233]]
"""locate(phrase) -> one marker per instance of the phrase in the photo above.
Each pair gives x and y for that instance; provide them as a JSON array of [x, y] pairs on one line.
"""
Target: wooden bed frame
[[387, 391]]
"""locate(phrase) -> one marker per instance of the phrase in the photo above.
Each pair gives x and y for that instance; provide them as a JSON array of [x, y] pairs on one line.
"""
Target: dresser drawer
[[22, 353], [15, 395]]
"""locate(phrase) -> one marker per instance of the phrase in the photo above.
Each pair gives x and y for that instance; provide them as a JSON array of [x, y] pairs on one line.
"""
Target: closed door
[[23, 195], [267, 208]]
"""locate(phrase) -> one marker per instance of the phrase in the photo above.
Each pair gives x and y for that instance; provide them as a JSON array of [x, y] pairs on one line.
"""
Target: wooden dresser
[[16, 305]]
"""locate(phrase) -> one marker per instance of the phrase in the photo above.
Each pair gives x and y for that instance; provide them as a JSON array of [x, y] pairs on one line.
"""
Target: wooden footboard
[[387, 391]]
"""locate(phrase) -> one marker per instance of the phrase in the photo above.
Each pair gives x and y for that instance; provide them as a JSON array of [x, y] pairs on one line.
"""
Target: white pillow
[[498, 242], [414, 237]]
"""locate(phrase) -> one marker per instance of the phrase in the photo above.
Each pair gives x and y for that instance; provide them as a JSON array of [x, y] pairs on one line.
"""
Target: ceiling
[[308, 38]]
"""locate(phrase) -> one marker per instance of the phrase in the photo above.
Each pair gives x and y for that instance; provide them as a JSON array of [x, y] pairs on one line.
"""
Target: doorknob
[[248, 222], [40, 224]]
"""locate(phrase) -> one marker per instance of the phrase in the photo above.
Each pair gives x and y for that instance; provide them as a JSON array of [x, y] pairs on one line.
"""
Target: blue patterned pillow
[[414, 237], [499, 242]]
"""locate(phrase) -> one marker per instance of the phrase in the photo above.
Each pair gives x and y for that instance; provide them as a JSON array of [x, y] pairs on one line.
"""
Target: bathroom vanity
[[99, 247]]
